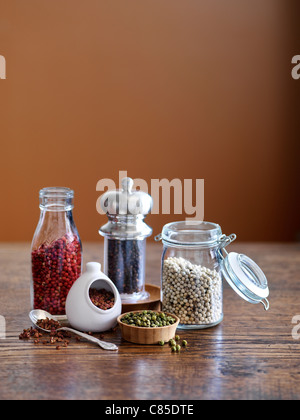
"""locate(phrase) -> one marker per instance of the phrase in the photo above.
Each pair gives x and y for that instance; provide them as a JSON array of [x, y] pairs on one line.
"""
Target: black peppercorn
[[126, 265]]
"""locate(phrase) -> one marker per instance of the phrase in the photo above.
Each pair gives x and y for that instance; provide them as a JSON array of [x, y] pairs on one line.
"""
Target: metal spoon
[[40, 314]]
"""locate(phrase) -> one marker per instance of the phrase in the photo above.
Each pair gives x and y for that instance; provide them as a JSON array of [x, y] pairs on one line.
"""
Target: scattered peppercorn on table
[[251, 355]]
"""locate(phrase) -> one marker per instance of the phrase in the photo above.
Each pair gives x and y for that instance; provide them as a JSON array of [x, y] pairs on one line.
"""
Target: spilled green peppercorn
[[175, 347], [161, 343]]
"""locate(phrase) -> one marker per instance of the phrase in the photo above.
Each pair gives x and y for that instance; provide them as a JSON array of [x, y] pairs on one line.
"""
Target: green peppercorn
[[161, 343], [177, 338], [149, 319], [184, 343], [173, 349], [172, 343], [178, 347]]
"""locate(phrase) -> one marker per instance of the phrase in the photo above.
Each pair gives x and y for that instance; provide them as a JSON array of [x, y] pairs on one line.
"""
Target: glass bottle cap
[[246, 278]]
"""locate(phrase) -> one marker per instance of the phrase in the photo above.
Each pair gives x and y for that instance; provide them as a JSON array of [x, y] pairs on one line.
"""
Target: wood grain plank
[[251, 355]]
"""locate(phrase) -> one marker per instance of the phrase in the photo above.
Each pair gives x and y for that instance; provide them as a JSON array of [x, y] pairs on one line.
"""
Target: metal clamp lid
[[245, 277]]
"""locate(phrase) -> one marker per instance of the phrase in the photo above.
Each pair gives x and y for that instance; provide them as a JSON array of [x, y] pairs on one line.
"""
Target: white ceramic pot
[[82, 314]]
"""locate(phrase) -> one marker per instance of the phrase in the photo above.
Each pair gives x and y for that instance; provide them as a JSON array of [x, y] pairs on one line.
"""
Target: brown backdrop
[[160, 88]]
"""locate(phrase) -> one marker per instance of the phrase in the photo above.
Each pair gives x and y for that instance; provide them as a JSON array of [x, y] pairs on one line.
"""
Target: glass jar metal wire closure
[[191, 273], [194, 262]]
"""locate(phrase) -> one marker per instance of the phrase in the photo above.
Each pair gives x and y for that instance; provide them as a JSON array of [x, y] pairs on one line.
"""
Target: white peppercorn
[[192, 292]]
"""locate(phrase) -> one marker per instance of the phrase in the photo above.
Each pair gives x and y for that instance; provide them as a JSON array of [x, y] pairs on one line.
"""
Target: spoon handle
[[103, 344]]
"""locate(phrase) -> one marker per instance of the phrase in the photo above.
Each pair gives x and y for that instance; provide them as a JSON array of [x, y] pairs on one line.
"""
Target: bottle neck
[[56, 222], [56, 200]]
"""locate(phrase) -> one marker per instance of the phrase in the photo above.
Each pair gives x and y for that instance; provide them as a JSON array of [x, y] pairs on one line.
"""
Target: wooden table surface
[[251, 355]]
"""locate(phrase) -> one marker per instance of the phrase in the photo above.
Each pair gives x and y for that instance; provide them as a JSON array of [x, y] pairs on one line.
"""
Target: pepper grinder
[[125, 237]]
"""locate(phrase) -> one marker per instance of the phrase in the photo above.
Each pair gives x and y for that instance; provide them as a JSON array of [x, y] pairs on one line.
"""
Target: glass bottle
[[125, 240], [56, 251]]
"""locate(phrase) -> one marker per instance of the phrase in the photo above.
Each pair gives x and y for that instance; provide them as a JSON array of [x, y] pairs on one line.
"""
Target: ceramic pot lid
[[246, 278]]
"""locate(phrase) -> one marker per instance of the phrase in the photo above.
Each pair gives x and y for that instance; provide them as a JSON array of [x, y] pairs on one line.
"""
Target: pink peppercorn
[[55, 268], [103, 299]]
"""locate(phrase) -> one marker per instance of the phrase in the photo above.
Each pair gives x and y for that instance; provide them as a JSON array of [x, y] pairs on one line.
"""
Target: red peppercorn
[[54, 271], [103, 299]]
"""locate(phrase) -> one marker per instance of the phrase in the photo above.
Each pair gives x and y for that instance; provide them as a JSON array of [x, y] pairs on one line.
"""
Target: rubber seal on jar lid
[[246, 278]]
